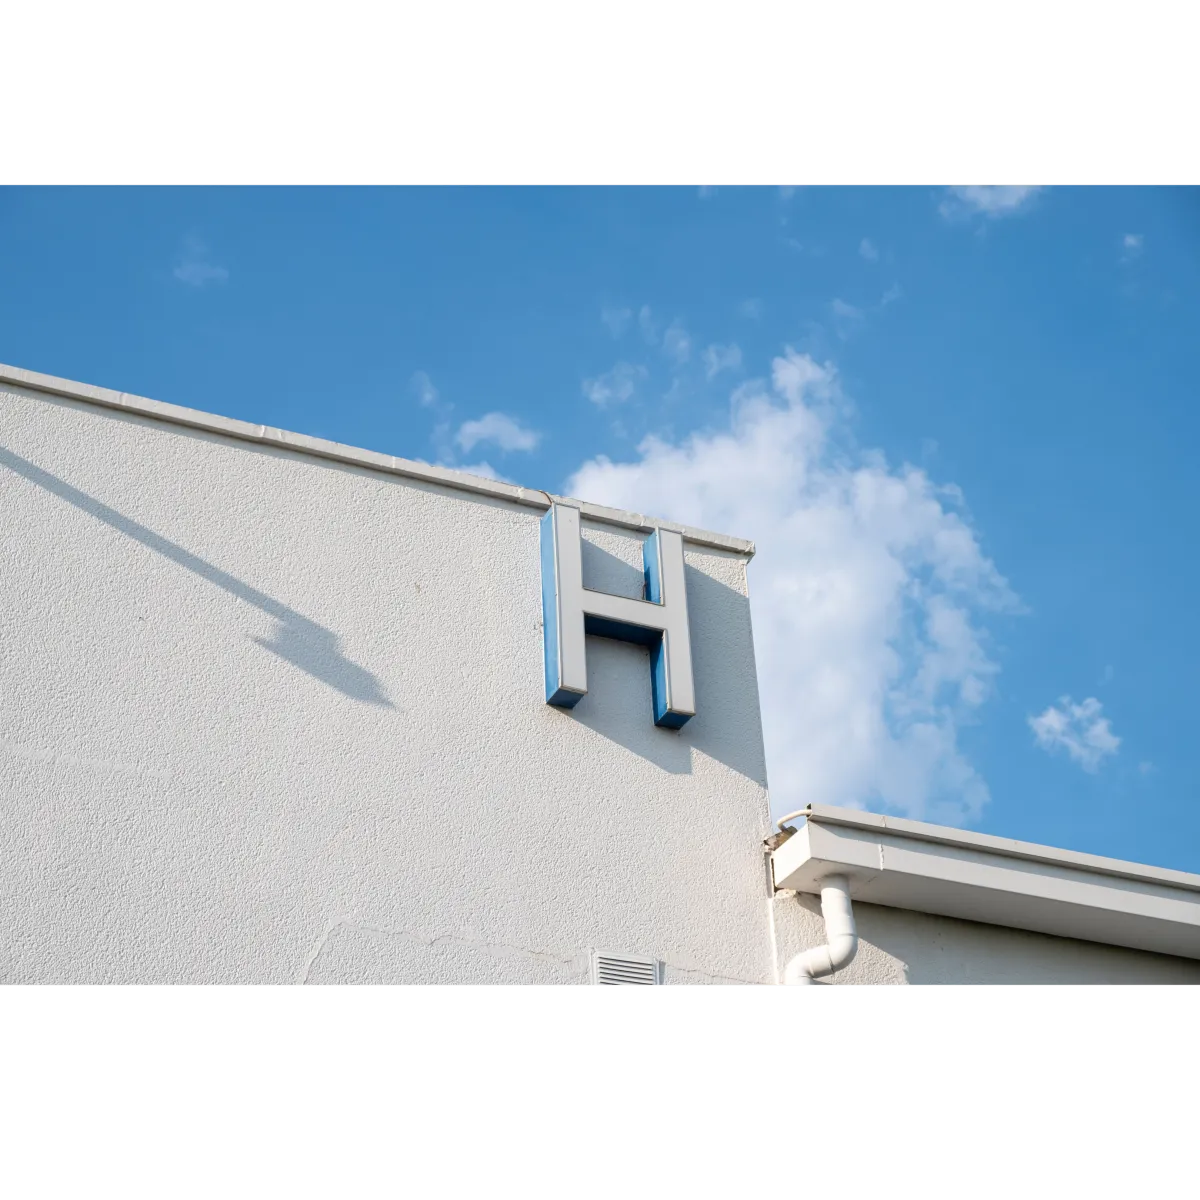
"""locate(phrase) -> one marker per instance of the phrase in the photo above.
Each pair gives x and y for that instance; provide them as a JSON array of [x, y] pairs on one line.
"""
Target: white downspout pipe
[[842, 937]]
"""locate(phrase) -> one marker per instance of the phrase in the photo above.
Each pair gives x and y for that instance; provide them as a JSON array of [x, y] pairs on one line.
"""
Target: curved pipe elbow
[[841, 934], [822, 961]]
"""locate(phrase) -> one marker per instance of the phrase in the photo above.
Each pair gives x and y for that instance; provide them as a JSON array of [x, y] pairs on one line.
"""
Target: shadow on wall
[[303, 643], [726, 726]]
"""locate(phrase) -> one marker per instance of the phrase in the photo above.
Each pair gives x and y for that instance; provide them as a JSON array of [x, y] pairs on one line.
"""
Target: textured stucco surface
[[267, 718], [899, 946]]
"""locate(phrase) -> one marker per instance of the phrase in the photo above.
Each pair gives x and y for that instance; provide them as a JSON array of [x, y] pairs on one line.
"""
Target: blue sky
[[959, 424]]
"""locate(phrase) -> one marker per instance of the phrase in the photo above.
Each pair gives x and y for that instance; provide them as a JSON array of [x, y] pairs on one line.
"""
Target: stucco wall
[[269, 718], [265, 718], [898, 946]]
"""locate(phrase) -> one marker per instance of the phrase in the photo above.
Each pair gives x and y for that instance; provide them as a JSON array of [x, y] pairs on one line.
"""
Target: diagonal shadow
[[303, 643], [727, 724]]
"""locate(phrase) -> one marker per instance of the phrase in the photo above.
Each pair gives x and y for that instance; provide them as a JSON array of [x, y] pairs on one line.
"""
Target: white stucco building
[[275, 710]]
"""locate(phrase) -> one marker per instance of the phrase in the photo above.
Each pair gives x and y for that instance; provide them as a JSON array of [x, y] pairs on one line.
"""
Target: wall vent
[[624, 968]]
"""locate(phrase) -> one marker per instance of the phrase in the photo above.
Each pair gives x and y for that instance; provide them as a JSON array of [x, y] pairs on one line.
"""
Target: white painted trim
[[997, 881], [265, 435], [947, 836]]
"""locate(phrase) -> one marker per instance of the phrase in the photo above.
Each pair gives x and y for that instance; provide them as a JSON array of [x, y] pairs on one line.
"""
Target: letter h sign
[[569, 610]]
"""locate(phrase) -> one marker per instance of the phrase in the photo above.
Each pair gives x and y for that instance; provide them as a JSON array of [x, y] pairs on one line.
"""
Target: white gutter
[[997, 881]]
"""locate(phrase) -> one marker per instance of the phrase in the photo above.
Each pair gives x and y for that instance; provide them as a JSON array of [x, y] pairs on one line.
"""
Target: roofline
[[1008, 847], [997, 881], [266, 435]]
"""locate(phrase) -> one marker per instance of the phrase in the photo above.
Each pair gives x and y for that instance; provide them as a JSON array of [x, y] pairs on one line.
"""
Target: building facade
[[275, 710]]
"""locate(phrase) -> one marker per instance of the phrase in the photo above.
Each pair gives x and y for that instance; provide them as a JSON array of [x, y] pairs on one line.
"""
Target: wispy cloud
[[808, 249], [615, 386], [422, 388], [719, 358], [1131, 247], [497, 429], [867, 601], [427, 396], [867, 249], [617, 320], [195, 266], [751, 309], [990, 202], [677, 345], [485, 470], [846, 317], [1079, 729]]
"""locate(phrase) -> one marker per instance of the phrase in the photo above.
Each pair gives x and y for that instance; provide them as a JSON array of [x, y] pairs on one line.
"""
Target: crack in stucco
[[318, 948], [578, 962], [709, 975], [499, 949]]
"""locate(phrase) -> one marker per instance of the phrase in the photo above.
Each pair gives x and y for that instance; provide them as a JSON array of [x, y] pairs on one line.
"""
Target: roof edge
[[946, 835], [992, 881], [266, 435]]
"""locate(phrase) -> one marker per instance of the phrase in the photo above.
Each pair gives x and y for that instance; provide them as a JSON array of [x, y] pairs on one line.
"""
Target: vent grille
[[623, 969]]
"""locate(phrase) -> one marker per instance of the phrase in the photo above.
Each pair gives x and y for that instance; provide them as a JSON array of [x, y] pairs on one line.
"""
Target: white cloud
[[422, 387], [989, 202], [867, 249], [891, 295], [866, 593], [1079, 729], [721, 358], [499, 429], [676, 343], [615, 386], [751, 309], [1131, 246], [195, 266], [617, 319], [484, 469]]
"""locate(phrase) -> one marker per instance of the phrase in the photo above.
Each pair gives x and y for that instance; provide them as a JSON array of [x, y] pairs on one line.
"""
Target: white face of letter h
[[569, 611]]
